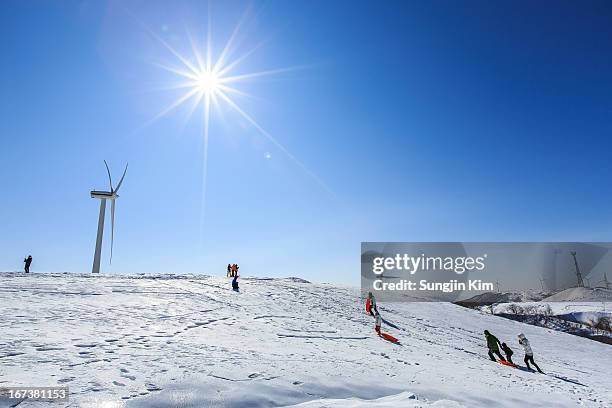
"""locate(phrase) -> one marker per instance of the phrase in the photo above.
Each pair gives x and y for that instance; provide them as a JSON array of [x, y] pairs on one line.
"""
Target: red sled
[[507, 363], [389, 338]]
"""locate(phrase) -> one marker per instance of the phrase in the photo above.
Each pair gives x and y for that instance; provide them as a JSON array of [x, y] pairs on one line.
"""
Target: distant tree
[[603, 323], [513, 308]]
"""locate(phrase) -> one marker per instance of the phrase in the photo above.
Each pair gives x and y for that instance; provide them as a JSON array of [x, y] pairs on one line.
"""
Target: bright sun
[[208, 82]]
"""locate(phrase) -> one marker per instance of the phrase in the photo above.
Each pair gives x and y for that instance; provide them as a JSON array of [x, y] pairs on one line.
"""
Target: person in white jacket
[[528, 352]]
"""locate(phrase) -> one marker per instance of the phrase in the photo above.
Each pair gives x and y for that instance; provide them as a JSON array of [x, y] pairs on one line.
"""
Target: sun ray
[[192, 76], [205, 163], [227, 49], [196, 52], [172, 106], [195, 102], [224, 70], [265, 133], [230, 89], [184, 60], [177, 86], [209, 40], [164, 43], [181, 85], [235, 78]]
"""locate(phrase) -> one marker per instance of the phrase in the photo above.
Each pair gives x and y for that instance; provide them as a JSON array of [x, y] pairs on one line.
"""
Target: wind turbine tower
[[578, 274], [103, 196]]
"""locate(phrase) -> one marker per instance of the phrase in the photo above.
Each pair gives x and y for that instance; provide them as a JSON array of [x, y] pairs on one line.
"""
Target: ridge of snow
[[581, 294]]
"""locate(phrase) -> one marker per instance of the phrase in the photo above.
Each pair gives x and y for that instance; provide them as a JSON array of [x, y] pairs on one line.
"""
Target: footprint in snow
[[48, 348], [86, 345], [152, 387]]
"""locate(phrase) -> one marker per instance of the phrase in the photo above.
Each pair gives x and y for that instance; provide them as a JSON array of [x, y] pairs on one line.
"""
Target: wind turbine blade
[[122, 177], [112, 229], [110, 180]]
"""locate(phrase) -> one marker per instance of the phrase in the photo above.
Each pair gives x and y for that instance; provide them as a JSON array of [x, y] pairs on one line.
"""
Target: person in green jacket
[[493, 344]]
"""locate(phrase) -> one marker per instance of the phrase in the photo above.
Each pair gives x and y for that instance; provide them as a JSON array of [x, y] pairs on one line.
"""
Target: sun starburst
[[210, 82]]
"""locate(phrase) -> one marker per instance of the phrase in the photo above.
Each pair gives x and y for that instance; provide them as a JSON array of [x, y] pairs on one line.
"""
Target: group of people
[[232, 270], [494, 344]]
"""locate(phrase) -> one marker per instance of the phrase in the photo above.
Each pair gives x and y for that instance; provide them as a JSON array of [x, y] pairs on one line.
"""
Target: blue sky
[[466, 121]]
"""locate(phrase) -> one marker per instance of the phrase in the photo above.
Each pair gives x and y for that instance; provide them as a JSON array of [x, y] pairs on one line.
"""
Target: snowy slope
[[489, 298], [581, 295], [191, 342]]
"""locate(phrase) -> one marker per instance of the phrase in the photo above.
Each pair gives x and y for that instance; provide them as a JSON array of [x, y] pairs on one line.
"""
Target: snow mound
[[580, 294], [297, 280], [404, 399]]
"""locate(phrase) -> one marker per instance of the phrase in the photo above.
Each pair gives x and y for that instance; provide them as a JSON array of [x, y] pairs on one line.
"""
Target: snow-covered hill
[[167, 341], [581, 295]]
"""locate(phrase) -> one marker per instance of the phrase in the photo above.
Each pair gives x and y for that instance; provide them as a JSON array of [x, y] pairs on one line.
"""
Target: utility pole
[[578, 274], [542, 283]]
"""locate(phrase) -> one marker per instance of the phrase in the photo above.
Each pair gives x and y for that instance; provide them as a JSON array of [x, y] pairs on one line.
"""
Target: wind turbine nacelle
[[107, 195]]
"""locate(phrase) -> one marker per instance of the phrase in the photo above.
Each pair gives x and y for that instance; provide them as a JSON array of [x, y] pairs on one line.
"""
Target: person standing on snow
[[378, 322], [229, 270], [508, 352], [371, 305], [28, 262], [235, 283], [528, 352], [493, 345]]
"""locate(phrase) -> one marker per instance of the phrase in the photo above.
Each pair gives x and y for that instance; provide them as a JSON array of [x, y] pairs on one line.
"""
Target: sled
[[507, 363], [389, 337]]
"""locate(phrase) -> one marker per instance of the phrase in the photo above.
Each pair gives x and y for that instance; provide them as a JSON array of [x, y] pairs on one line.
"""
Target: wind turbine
[[578, 274], [103, 196]]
